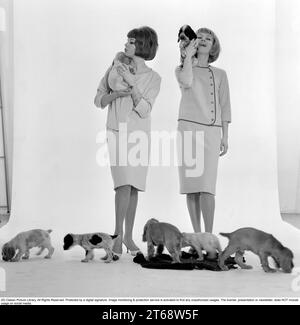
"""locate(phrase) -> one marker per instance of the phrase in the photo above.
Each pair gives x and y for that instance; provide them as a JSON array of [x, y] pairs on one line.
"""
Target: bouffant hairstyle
[[216, 47], [146, 42]]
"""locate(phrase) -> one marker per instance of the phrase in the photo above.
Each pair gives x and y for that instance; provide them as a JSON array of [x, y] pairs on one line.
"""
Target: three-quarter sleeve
[[144, 106], [224, 99], [184, 78], [103, 89]]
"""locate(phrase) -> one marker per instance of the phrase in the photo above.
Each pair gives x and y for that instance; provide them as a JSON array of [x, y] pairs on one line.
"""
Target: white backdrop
[[287, 100], [61, 50]]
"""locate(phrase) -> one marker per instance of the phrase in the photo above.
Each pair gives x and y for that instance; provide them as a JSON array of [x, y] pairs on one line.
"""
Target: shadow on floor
[[291, 218]]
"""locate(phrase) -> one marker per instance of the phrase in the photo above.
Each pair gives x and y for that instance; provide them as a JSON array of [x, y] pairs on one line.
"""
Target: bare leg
[[122, 199], [208, 210], [193, 204], [129, 220]]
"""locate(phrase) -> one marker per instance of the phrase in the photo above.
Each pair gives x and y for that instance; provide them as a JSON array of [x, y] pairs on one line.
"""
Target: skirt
[[129, 159], [198, 148]]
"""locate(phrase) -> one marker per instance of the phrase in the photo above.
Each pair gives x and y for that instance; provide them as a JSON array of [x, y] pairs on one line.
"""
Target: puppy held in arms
[[24, 241], [90, 241], [162, 234], [261, 244], [202, 241]]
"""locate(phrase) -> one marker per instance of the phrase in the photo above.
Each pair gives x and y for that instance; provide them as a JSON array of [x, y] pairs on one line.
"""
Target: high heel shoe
[[132, 252]]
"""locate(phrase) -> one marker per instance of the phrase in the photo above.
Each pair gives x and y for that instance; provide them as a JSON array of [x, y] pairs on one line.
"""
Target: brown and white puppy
[[202, 241], [24, 241], [261, 244], [162, 234], [91, 241]]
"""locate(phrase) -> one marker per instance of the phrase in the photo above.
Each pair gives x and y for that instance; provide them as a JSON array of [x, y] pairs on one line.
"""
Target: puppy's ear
[[95, 240], [68, 241], [145, 232]]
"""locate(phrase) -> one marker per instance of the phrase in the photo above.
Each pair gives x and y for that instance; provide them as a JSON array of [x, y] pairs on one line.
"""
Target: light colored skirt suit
[[128, 131], [205, 103]]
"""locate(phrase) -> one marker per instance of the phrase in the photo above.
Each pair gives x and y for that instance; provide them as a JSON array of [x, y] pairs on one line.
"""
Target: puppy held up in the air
[[202, 241], [162, 234], [19, 246], [185, 35], [90, 241], [261, 244]]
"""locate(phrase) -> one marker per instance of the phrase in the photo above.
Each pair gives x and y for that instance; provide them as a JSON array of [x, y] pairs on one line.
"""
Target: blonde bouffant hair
[[216, 47]]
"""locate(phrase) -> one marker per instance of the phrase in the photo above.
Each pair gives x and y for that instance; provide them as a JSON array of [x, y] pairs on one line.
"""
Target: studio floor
[[68, 277], [65, 276]]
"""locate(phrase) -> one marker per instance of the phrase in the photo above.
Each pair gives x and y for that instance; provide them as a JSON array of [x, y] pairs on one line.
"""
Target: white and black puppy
[[90, 241], [185, 35], [24, 241]]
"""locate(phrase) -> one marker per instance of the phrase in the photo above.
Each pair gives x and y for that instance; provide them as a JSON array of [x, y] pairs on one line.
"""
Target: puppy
[[91, 241], [202, 241], [115, 80], [261, 244], [162, 234], [24, 241], [185, 35]]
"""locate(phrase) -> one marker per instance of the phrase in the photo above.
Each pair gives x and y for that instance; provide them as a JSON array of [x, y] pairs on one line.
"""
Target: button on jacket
[[205, 97]]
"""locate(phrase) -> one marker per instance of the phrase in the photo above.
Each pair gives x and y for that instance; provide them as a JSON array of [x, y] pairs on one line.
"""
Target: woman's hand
[[191, 49], [122, 93], [123, 70], [223, 146]]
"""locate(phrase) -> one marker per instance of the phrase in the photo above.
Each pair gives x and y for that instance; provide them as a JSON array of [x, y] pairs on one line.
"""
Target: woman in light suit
[[204, 109], [129, 111]]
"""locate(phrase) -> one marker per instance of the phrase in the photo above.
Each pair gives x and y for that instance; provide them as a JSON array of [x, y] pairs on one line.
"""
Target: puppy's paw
[[84, 260], [25, 257], [246, 267], [108, 260], [224, 267], [47, 256], [15, 259], [269, 270]]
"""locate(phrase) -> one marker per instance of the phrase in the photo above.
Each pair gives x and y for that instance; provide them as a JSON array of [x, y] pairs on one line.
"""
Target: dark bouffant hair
[[146, 42]]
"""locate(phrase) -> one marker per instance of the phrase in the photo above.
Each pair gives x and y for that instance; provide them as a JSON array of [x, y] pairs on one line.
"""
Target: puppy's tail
[[226, 234], [49, 231]]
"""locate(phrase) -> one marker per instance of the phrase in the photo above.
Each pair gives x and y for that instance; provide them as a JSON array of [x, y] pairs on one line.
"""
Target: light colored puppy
[[24, 241], [162, 234], [261, 244], [202, 241], [90, 241]]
